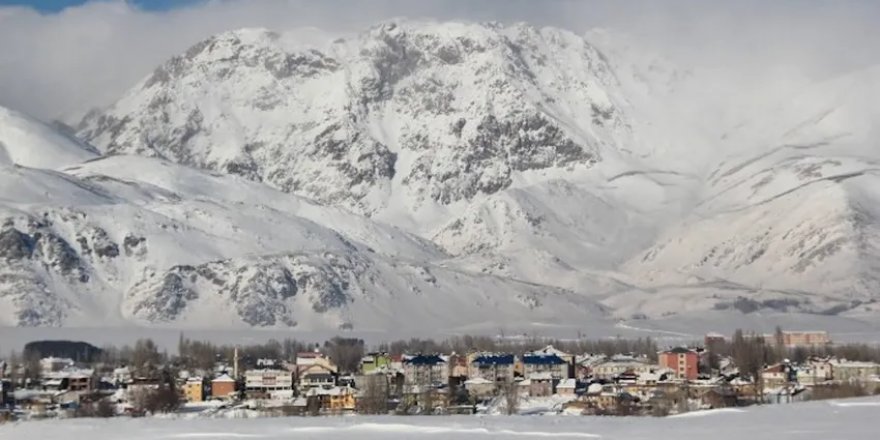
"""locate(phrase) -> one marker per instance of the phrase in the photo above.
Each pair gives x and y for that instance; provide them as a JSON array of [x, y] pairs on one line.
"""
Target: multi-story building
[[492, 367], [684, 362], [805, 338], [268, 383], [425, 370], [853, 371], [535, 364], [194, 389]]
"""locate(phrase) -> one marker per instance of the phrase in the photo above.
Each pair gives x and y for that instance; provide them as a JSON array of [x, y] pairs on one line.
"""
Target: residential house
[[425, 370], [566, 387], [854, 371], [317, 375], [458, 367], [479, 388], [617, 365], [314, 370], [815, 371], [333, 400], [550, 350], [682, 361], [70, 379], [779, 375], [584, 365], [121, 376], [375, 361], [223, 387], [540, 384], [540, 363], [194, 389], [491, 366], [52, 364], [268, 383]]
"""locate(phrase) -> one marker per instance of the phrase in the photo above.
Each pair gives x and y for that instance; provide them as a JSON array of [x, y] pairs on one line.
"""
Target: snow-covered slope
[[30, 143], [792, 216], [436, 174], [142, 240]]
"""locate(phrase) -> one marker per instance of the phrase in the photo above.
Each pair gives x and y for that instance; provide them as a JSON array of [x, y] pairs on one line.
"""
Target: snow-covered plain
[[844, 420]]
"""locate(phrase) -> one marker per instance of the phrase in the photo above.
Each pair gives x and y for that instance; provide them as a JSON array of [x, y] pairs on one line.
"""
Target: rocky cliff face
[[429, 113]]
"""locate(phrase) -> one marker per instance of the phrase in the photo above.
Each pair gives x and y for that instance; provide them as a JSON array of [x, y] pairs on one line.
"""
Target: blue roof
[[494, 359], [542, 359], [425, 360]]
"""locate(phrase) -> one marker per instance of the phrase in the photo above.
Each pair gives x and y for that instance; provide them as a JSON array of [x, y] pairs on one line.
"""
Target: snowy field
[[840, 420]]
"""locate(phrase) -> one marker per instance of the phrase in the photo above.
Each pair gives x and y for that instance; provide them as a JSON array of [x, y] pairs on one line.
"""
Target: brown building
[[222, 387]]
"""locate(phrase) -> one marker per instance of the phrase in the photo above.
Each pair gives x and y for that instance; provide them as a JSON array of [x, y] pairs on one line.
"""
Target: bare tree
[[510, 394], [345, 352], [374, 394], [145, 358]]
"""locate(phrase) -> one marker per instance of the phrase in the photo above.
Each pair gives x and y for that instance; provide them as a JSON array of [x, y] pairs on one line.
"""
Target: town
[[463, 375]]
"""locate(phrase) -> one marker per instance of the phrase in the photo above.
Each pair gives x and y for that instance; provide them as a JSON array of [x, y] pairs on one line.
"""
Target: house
[[719, 397], [458, 367], [568, 359], [682, 361], [492, 367], [374, 361], [617, 365], [70, 379], [549, 363], [121, 376], [853, 371], [268, 383], [584, 365], [317, 375], [425, 370], [540, 384], [223, 387], [305, 360], [778, 375], [566, 387], [479, 388], [334, 400], [52, 364], [815, 371], [194, 389]]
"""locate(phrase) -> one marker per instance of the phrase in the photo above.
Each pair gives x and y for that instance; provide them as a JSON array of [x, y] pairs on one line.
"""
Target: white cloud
[[58, 65]]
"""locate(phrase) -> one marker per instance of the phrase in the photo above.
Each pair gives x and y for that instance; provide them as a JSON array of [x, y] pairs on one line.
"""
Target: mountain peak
[[434, 112]]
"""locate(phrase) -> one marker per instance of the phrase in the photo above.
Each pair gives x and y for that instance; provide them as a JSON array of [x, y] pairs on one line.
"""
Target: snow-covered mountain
[[448, 175], [401, 116], [136, 239]]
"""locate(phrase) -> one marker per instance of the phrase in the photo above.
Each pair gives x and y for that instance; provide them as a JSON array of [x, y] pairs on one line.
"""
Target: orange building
[[223, 387], [682, 361]]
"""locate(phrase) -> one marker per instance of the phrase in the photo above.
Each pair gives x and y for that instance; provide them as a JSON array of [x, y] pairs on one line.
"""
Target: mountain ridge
[[436, 173]]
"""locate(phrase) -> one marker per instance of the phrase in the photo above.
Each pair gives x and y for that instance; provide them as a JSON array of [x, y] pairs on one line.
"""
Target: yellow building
[[336, 399], [194, 390]]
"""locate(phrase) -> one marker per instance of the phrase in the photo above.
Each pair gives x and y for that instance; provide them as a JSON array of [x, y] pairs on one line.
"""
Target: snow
[[27, 142], [807, 421], [447, 177]]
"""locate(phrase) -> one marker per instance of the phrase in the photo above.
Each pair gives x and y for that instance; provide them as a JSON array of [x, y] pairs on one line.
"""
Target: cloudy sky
[[61, 57]]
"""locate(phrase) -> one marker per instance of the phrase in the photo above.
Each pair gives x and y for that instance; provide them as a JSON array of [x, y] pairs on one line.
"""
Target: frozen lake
[[844, 420]]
